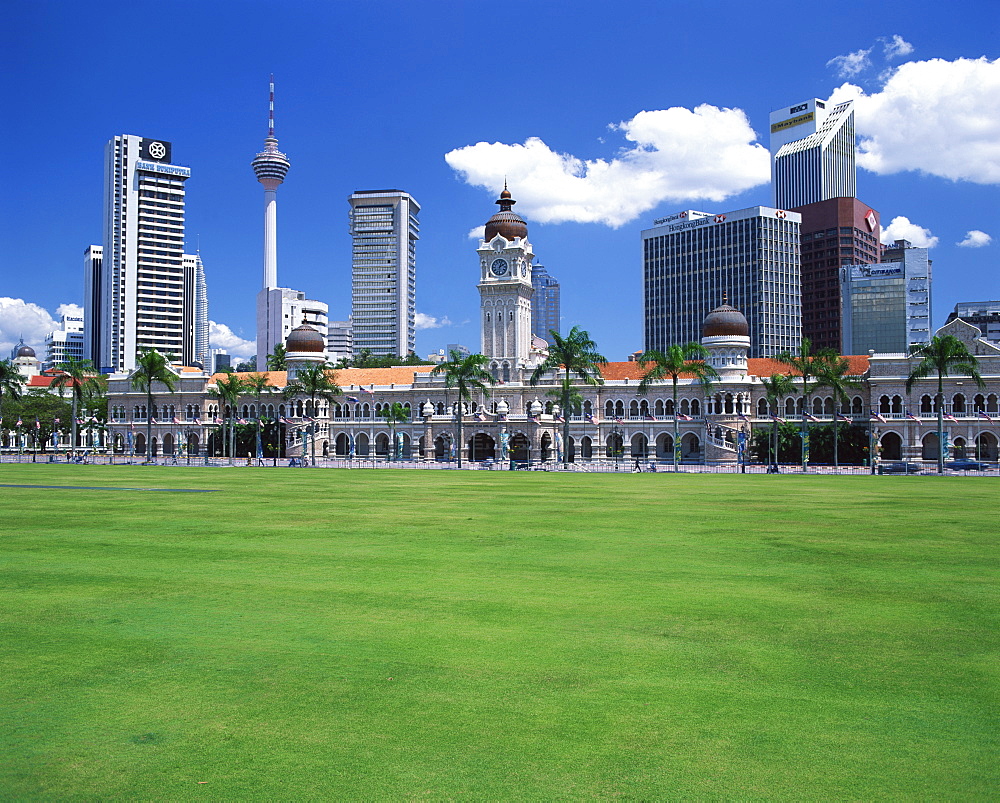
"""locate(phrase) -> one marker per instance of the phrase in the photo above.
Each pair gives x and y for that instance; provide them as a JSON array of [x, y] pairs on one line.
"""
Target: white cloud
[[895, 46], [975, 239], [221, 336], [72, 310], [902, 229], [939, 117], [850, 65], [21, 319], [678, 155], [422, 321]]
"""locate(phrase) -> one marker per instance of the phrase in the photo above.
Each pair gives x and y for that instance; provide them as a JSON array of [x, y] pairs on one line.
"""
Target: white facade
[[385, 227], [339, 340], [144, 301], [201, 325], [64, 343], [286, 309], [812, 153], [693, 261], [505, 303]]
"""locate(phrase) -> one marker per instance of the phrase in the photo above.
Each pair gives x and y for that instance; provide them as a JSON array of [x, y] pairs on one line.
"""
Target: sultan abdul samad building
[[522, 422]]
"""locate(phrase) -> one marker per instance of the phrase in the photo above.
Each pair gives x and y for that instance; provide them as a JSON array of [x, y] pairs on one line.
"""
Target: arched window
[[897, 405], [958, 403], [619, 409], [658, 408], [669, 407], [883, 404], [695, 407], [926, 405], [644, 408], [609, 409], [633, 409], [762, 408]]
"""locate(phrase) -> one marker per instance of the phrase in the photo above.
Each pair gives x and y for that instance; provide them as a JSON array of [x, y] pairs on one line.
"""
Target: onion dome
[[725, 321], [305, 339], [26, 351], [506, 223]]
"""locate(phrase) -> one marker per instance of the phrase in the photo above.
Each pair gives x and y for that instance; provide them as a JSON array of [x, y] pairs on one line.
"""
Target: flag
[[811, 417], [198, 421], [911, 415], [560, 419], [37, 424], [19, 420], [153, 421], [981, 415], [365, 390], [177, 420], [777, 419], [55, 420], [842, 417], [354, 399], [80, 421], [590, 419], [682, 417], [648, 417], [743, 418], [948, 416], [876, 417]]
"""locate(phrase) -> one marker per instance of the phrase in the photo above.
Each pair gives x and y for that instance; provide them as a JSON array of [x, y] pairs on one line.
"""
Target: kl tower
[[270, 167]]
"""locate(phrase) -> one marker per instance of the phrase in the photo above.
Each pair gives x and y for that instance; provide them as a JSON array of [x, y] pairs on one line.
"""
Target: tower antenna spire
[[270, 115]]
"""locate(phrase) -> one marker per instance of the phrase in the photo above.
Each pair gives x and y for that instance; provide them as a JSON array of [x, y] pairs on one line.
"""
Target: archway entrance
[[481, 447], [892, 446], [546, 447], [520, 449], [930, 447], [192, 445], [986, 447]]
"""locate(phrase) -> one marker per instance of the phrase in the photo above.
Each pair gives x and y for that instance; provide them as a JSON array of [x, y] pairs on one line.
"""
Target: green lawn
[[444, 634]]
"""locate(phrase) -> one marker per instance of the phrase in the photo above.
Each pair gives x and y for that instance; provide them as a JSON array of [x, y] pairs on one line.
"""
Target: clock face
[[499, 267]]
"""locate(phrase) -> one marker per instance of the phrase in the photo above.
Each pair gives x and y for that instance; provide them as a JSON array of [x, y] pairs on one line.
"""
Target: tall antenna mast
[[270, 116]]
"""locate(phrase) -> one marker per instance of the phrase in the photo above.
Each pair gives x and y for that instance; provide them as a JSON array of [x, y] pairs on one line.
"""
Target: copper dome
[[26, 351], [725, 321], [506, 223], [305, 339]]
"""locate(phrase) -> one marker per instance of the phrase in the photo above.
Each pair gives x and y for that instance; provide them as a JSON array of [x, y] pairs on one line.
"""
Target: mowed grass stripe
[[497, 634]]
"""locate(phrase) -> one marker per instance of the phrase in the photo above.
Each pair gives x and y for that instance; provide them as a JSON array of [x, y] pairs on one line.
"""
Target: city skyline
[[580, 142]]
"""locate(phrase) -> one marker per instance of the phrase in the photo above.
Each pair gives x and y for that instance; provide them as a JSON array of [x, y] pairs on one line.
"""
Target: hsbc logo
[[781, 214], [720, 218]]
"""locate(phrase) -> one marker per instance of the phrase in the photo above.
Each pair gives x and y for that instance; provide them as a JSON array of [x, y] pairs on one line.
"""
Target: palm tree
[[394, 414], [150, 367], [577, 355], [676, 360], [806, 363], [229, 389], [943, 355], [11, 382], [778, 386], [256, 384], [276, 359], [74, 374], [466, 374], [832, 373], [316, 382]]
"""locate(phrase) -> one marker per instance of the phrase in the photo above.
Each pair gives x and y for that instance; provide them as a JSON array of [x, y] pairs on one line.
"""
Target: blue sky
[[375, 95]]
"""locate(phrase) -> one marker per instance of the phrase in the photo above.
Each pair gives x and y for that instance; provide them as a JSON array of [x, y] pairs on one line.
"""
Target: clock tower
[[505, 290]]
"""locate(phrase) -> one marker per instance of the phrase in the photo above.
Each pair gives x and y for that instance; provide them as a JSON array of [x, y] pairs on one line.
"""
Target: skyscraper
[[812, 150], [195, 277], [544, 303], [385, 227], [93, 259], [694, 261], [64, 343], [270, 166], [143, 300], [887, 306], [835, 233]]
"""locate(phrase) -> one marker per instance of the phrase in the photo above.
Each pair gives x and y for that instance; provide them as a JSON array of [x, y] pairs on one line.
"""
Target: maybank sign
[[792, 122], [170, 170]]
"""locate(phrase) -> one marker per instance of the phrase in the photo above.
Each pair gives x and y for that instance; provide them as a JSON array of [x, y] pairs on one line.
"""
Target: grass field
[[444, 634]]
